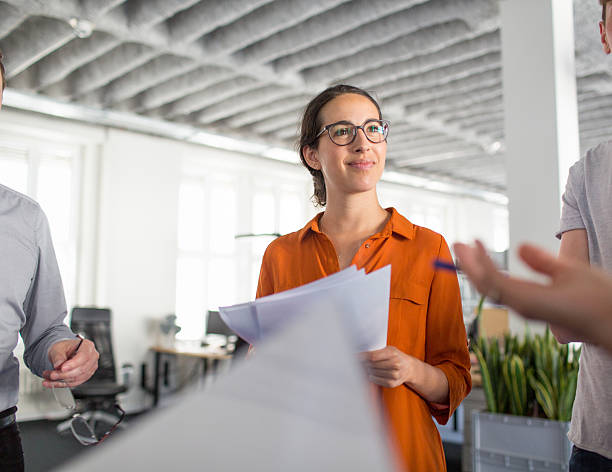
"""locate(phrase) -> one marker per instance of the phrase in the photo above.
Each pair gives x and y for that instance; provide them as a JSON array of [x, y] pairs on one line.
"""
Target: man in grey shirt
[[586, 235], [32, 303]]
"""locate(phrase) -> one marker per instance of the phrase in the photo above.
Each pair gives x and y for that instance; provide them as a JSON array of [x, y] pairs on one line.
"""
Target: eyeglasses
[[343, 133], [80, 427]]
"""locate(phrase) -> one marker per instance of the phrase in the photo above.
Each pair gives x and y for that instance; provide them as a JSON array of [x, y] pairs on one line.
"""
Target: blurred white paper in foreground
[[363, 299], [301, 403]]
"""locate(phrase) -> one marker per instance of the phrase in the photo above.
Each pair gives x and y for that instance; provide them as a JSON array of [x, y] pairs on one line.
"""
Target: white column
[[541, 119]]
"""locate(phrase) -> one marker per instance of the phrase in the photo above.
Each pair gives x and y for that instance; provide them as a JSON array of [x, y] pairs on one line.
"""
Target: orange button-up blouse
[[425, 318]]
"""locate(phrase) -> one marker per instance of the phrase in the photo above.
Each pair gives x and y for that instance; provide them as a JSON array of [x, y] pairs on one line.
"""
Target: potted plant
[[529, 387]]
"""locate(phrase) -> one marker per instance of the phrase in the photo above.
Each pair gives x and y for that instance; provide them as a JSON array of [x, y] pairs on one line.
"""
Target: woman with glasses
[[424, 370]]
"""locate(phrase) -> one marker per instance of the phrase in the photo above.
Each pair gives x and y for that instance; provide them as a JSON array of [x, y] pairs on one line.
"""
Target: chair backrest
[[95, 325], [216, 325]]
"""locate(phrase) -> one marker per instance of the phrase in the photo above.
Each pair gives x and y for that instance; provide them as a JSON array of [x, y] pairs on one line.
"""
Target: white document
[[242, 319], [362, 299], [300, 404], [339, 277]]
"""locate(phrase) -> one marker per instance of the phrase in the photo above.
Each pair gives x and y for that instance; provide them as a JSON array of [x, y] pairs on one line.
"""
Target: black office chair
[[96, 397], [233, 343]]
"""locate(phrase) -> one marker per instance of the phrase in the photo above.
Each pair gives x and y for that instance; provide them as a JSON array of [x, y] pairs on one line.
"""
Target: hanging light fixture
[[82, 28]]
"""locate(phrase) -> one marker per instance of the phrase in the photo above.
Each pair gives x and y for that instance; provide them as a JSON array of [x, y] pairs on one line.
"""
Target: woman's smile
[[362, 164]]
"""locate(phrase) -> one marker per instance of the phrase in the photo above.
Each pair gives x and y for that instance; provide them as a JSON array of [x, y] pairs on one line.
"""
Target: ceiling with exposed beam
[[246, 68]]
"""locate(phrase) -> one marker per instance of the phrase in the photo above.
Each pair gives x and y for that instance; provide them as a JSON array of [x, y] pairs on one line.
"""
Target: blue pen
[[439, 264]]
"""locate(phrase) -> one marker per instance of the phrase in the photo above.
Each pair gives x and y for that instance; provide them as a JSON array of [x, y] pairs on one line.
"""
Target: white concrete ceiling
[[247, 67]]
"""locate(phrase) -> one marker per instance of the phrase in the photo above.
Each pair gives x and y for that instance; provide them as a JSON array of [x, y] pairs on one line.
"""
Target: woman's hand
[[388, 367]]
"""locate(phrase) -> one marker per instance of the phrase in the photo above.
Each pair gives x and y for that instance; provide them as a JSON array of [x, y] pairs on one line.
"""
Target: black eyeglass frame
[[109, 432], [386, 124], [70, 405]]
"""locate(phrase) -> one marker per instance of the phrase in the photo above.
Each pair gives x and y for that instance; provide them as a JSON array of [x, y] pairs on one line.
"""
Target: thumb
[[58, 357], [539, 260]]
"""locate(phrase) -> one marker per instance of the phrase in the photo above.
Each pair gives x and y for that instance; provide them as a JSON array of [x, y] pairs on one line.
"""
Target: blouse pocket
[[407, 317], [406, 290]]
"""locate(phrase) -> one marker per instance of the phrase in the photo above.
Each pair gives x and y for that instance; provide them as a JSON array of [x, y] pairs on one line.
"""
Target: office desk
[[210, 353]]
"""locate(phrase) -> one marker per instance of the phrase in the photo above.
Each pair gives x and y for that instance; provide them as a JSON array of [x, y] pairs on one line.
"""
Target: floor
[[45, 449]]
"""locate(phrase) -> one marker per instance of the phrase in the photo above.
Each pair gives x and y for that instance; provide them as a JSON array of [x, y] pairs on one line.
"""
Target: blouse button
[[367, 245]]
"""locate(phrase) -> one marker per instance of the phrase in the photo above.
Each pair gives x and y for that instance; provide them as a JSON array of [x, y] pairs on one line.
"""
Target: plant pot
[[506, 442]]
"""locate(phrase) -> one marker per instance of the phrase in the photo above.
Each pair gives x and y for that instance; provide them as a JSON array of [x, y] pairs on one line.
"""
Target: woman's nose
[[361, 142]]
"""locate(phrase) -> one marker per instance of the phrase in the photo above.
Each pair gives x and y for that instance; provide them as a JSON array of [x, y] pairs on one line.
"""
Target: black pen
[[77, 347], [440, 264], [72, 354]]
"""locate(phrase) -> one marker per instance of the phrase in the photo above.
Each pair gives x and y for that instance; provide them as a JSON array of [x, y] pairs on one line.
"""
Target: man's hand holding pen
[[74, 362]]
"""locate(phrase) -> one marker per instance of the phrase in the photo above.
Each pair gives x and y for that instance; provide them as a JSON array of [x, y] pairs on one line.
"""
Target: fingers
[[478, 266], [81, 374], [378, 355], [469, 260], [59, 358], [75, 370], [483, 258], [86, 354], [387, 372], [384, 382], [57, 384], [386, 367], [540, 260], [385, 377]]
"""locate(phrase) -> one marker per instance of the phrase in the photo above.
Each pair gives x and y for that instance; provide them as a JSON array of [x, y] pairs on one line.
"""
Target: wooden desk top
[[189, 350]]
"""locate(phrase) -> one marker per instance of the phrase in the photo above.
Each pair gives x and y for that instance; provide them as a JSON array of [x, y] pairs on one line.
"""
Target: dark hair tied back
[[2, 72], [311, 125]]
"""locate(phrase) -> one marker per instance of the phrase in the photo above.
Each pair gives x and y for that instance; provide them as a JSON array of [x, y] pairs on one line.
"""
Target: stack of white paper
[[360, 299], [300, 404]]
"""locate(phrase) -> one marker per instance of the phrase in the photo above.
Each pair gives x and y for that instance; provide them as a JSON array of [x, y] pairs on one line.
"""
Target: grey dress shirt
[[31, 294]]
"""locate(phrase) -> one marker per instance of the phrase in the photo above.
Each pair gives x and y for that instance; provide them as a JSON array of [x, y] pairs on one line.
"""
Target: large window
[[457, 218], [279, 209], [206, 266], [226, 221], [47, 172]]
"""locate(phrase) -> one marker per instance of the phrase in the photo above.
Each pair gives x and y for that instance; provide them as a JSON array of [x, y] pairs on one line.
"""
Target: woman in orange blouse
[[424, 370]]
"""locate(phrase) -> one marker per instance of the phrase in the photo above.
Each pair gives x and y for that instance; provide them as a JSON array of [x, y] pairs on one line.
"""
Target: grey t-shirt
[[31, 294], [587, 204]]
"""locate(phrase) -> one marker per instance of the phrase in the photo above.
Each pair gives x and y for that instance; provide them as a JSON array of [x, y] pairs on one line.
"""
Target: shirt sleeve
[[446, 339], [45, 305], [571, 217], [265, 285]]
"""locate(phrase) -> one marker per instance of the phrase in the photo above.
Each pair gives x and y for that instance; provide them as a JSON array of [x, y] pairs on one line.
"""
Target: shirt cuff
[[569, 225], [458, 388]]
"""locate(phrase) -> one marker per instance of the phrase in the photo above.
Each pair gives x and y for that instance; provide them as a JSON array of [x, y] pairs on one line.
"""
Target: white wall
[[137, 250], [457, 218]]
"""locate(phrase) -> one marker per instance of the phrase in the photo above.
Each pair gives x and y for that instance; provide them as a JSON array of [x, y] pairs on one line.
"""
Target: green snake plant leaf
[[508, 383], [551, 396], [486, 381], [542, 396], [566, 397], [537, 351], [516, 381], [519, 385]]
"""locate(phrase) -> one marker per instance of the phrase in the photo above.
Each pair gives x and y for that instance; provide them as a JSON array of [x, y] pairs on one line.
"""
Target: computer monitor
[[216, 326]]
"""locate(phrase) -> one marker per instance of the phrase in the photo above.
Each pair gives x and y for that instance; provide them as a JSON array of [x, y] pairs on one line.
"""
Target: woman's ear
[[311, 157], [604, 38]]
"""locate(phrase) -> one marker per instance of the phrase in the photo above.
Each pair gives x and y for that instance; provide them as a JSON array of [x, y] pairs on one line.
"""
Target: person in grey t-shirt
[[586, 235], [32, 304]]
